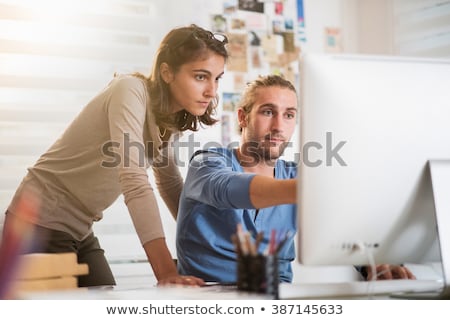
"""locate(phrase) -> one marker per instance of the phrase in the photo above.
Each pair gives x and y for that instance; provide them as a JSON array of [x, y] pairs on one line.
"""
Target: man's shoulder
[[215, 156], [213, 152]]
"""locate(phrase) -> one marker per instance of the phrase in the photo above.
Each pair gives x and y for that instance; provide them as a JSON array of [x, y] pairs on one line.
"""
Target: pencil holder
[[258, 273]]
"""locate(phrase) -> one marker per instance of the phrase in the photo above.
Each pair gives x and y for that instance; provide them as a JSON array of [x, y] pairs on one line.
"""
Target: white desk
[[148, 293], [136, 282]]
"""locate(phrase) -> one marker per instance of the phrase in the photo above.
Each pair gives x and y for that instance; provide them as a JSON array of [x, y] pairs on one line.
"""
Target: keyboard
[[363, 289]]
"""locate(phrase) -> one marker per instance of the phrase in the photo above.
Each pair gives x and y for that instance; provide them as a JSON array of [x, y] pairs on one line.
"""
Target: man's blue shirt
[[214, 200]]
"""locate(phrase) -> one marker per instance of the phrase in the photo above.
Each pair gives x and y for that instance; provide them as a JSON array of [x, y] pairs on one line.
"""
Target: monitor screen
[[369, 126]]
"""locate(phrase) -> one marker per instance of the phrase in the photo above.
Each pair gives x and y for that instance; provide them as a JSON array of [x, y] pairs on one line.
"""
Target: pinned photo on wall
[[333, 40], [255, 40], [278, 26], [289, 24], [251, 5], [218, 23], [230, 101], [269, 45], [279, 8], [256, 57], [230, 6], [239, 81], [301, 34], [237, 24], [237, 47], [255, 21], [300, 14], [288, 42]]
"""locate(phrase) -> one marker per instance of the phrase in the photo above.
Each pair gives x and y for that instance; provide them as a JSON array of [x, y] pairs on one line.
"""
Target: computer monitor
[[375, 160]]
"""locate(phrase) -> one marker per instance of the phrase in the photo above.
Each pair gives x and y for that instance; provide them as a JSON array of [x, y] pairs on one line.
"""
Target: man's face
[[267, 129]]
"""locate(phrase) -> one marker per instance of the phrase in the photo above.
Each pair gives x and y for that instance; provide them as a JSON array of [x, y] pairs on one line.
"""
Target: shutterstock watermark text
[[311, 153]]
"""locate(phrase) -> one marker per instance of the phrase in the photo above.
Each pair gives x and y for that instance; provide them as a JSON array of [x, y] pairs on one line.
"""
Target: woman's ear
[[166, 72]]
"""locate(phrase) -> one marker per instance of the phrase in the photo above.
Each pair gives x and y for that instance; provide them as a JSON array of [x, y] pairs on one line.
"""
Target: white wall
[[319, 15]]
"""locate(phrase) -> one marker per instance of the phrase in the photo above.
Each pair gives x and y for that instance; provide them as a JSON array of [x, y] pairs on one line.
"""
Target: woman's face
[[195, 84]]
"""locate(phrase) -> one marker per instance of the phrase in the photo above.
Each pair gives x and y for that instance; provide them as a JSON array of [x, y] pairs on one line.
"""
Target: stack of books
[[48, 271]]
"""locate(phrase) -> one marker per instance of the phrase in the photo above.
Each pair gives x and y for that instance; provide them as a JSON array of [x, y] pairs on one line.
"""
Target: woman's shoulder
[[129, 81], [126, 92], [129, 88]]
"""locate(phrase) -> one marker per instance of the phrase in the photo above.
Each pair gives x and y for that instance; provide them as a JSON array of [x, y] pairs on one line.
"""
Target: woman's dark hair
[[180, 46]]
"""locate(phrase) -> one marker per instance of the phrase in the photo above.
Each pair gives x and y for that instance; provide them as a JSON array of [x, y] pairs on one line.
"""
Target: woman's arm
[[126, 112], [164, 267], [168, 180]]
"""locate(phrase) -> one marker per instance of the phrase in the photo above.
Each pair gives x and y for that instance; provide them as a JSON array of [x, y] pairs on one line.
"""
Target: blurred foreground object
[[17, 238], [21, 272], [48, 271]]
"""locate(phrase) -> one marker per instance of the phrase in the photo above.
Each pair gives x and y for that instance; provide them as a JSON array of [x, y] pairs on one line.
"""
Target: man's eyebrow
[[272, 105]]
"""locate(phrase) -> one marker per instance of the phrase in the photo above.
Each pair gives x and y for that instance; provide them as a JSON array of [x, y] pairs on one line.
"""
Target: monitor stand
[[440, 183]]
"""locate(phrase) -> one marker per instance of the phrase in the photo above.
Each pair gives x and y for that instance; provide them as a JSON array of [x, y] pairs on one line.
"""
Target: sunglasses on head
[[203, 35]]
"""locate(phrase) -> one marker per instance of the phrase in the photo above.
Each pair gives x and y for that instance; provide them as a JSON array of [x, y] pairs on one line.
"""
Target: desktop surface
[[383, 289], [363, 289]]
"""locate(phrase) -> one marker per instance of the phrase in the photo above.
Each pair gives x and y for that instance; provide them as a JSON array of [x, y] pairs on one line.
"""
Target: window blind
[[422, 27], [55, 55]]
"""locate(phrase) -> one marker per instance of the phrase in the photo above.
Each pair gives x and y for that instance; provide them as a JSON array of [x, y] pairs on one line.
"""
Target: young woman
[[106, 151]]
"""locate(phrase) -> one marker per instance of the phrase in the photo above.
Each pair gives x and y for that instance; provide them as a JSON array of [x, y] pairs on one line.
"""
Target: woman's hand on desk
[[164, 267], [388, 271], [183, 280]]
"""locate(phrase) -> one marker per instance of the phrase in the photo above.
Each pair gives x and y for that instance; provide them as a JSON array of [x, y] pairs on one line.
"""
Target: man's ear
[[166, 72], [242, 118]]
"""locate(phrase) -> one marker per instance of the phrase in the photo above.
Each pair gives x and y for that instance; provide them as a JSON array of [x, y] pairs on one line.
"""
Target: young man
[[248, 186]]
